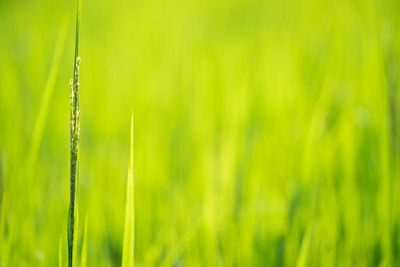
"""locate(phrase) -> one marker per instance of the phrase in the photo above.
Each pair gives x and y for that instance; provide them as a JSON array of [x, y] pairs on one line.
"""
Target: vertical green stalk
[[74, 142], [129, 229]]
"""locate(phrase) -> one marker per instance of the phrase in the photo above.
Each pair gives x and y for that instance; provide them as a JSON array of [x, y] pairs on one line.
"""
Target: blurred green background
[[266, 132]]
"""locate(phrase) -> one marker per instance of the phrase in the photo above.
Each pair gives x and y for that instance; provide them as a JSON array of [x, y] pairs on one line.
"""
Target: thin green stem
[[74, 141]]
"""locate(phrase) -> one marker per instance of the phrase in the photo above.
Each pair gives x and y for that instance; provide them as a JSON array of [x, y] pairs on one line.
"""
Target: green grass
[[129, 228], [75, 115], [266, 133]]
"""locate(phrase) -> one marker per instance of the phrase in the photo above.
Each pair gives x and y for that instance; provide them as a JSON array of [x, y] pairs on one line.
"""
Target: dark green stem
[[74, 141]]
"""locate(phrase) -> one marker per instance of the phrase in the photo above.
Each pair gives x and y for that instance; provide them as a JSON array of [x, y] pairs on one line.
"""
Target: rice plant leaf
[[128, 245], [74, 147]]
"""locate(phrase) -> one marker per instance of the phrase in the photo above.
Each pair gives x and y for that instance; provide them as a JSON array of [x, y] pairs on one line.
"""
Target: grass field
[[266, 133]]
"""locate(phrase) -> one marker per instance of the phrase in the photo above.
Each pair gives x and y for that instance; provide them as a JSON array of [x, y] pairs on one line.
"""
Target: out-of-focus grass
[[129, 225], [266, 132]]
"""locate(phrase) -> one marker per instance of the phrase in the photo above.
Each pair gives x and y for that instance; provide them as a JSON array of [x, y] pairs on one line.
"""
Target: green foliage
[[266, 132], [129, 229], [74, 149]]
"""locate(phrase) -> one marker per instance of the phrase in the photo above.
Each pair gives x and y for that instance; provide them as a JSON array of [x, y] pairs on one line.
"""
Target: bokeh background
[[266, 132]]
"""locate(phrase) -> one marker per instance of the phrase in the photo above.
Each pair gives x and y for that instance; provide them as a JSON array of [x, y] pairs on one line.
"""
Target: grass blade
[[74, 144], [128, 245]]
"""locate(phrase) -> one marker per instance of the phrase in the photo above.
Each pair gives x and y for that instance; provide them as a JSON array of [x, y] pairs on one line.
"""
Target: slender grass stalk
[[129, 234], [74, 143]]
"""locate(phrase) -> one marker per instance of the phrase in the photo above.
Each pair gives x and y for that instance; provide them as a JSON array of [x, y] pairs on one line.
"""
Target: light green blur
[[267, 133]]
